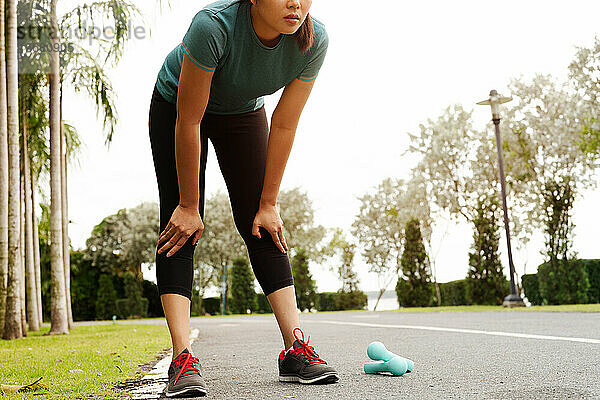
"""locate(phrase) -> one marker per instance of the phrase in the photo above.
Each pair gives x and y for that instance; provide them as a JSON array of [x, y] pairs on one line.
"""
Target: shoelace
[[186, 361], [308, 351]]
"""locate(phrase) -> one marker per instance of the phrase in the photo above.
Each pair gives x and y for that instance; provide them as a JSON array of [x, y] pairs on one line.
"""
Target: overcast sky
[[390, 66]]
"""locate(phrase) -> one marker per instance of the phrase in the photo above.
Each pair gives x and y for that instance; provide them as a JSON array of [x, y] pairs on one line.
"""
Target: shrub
[[355, 300], [326, 301], [453, 293], [133, 305], [304, 285], [243, 296], [106, 302], [414, 287], [592, 268], [150, 292], [264, 307], [485, 283], [212, 305], [563, 282], [531, 288]]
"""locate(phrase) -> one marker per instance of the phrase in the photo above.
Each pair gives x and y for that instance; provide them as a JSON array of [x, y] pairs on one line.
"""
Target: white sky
[[390, 66]]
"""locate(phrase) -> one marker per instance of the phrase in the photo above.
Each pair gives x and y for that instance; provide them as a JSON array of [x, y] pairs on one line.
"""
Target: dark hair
[[305, 35]]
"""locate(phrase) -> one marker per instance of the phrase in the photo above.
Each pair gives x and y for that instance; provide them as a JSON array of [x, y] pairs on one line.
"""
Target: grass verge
[[84, 364]]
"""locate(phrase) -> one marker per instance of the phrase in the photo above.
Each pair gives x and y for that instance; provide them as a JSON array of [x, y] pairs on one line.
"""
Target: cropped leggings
[[240, 143]]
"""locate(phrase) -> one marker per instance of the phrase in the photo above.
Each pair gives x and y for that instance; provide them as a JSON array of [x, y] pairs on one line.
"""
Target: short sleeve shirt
[[221, 38]]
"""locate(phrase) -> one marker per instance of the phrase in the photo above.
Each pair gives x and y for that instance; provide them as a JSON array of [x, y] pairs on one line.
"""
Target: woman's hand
[[268, 217], [184, 223]]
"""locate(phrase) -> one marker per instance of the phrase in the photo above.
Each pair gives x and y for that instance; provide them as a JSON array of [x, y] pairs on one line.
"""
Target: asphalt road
[[457, 355]]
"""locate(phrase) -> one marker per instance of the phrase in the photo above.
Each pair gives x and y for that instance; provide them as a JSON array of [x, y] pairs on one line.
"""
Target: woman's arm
[[192, 99], [281, 137]]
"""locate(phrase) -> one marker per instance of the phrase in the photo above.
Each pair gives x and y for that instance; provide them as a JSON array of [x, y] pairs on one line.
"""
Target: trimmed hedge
[[127, 310], [326, 301], [150, 292], [590, 268], [212, 305], [563, 282], [454, 293], [531, 288], [264, 307]]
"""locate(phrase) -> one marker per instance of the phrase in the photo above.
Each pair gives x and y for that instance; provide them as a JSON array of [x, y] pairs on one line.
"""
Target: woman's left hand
[[268, 217]]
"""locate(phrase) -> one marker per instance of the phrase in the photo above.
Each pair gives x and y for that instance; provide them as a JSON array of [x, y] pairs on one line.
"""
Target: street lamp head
[[494, 101]]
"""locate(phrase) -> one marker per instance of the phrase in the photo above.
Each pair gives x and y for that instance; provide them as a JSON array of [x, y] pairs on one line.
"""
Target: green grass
[[105, 354], [559, 308]]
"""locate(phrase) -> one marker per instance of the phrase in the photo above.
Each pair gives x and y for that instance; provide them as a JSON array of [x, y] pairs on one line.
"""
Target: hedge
[[264, 307], [212, 305], [531, 288], [454, 293], [591, 269], [563, 282], [127, 310]]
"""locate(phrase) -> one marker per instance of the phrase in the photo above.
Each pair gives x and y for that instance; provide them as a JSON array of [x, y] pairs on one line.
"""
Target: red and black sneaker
[[185, 377], [303, 364]]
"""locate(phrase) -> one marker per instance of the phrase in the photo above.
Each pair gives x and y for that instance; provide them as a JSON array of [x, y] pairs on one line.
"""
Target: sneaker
[[303, 364], [185, 376]]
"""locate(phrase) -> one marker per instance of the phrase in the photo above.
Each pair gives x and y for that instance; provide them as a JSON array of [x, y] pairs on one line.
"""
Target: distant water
[[388, 300]]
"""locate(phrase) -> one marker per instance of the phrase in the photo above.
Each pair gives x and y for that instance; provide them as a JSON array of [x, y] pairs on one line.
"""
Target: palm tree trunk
[[36, 248], [3, 174], [12, 322], [58, 320], [32, 306], [65, 215], [22, 254]]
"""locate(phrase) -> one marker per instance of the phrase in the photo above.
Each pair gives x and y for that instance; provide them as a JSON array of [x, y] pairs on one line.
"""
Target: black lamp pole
[[513, 299]]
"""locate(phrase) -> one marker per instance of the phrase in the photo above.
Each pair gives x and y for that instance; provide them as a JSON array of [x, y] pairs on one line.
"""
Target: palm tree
[[58, 315], [32, 303], [12, 323], [3, 174]]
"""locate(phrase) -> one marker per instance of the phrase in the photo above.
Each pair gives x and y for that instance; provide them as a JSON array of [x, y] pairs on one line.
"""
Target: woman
[[234, 53]]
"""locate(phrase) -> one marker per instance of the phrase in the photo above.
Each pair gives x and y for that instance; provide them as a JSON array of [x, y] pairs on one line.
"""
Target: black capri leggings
[[240, 143]]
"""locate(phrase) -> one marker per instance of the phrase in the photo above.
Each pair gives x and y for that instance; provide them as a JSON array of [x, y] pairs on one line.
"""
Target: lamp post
[[513, 299]]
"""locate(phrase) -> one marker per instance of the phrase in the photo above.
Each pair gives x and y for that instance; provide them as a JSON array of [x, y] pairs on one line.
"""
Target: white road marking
[[459, 330]]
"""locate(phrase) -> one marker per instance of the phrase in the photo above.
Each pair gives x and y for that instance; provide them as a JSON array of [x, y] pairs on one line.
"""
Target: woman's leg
[[283, 303], [240, 143], [173, 274]]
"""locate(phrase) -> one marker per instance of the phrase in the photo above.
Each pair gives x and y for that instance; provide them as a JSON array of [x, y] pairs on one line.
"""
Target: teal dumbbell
[[378, 351], [396, 365]]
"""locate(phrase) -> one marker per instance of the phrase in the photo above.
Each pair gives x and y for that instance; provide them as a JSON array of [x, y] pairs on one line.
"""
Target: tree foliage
[[106, 305], [414, 287], [243, 296], [125, 240], [297, 213], [584, 75], [545, 120], [305, 286], [485, 281]]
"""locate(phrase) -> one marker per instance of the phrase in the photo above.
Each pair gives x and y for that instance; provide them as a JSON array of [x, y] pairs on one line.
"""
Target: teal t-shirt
[[221, 38]]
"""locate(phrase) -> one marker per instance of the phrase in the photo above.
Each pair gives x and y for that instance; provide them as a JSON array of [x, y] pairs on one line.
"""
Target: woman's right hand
[[184, 223]]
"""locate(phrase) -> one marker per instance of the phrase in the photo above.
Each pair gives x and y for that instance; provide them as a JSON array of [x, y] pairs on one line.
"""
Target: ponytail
[[305, 35]]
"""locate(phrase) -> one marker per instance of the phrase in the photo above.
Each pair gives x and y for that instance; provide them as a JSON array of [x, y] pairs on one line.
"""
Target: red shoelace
[[307, 350], [186, 361]]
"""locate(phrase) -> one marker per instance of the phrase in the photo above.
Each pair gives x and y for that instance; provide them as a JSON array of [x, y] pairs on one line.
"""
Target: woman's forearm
[[187, 156], [278, 151]]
